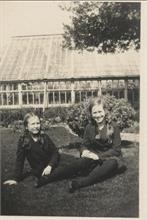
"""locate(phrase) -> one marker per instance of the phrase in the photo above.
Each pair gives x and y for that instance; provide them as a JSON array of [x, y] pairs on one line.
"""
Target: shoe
[[36, 185], [121, 169], [40, 182], [73, 186]]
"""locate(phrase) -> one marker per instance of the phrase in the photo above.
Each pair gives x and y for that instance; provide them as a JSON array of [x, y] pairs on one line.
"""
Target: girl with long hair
[[37, 148], [101, 155]]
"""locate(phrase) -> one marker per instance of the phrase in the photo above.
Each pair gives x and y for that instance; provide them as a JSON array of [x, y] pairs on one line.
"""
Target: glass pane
[[103, 83], [56, 94], [68, 96], [50, 97], [4, 87], [0, 99], [15, 87], [115, 83], [115, 93], [89, 94], [121, 94], [121, 84], [36, 98], [62, 97], [131, 84], [95, 93], [24, 98], [41, 98], [30, 97], [50, 85], [10, 99], [15, 98], [77, 96], [109, 84], [68, 85], [83, 96], [4, 99]]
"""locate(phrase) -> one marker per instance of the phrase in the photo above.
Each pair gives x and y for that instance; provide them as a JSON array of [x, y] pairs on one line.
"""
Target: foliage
[[8, 116], [119, 110], [76, 116], [133, 129], [104, 26], [54, 112]]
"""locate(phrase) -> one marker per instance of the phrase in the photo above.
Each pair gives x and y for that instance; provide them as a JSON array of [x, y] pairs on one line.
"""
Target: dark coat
[[102, 146], [39, 154]]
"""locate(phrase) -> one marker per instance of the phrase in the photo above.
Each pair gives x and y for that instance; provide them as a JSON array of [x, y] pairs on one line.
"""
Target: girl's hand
[[88, 154], [47, 170], [10, 182]]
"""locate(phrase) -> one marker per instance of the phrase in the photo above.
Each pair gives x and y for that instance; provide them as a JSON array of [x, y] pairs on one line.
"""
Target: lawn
[[115, 197]]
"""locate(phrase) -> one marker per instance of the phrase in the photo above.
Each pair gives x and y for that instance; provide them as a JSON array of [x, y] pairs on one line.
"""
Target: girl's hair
[[27, 116], [96, 101], [100, 100], [24, 137]]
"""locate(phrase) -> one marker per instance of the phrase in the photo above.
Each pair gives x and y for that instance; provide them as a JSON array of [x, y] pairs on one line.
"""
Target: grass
[[115, 197]]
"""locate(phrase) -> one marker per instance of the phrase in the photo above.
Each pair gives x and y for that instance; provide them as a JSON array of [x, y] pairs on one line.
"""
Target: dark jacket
[[102, 146], [39, 154]]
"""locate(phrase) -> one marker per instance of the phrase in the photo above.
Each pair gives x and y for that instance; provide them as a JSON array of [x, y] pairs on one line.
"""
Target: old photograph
[[70, 108]]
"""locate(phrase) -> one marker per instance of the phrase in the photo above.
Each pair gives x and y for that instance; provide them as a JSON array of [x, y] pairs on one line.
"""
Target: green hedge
[[76, 116]]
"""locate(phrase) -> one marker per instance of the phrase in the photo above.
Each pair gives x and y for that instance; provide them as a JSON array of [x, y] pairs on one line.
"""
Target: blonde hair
[[24, 137], [27, 116], [96, 101], [100, 100]]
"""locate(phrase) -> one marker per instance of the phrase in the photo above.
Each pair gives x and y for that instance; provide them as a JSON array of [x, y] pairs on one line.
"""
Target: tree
[[104, 26]]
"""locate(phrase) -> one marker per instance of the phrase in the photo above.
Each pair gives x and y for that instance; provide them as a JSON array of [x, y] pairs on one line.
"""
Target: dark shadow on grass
[[127, 144], [75, 145]]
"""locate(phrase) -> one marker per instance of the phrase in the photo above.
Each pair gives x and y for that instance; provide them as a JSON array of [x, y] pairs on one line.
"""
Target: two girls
[[100, 152]]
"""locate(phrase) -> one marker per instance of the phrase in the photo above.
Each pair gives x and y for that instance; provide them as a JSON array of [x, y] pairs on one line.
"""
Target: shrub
[[54, 112], [133, 129], [76, 116], [120, 111], [10, 117]]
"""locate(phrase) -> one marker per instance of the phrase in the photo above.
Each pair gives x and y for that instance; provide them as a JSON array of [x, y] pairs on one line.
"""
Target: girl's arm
[[54, 159], [20, 157], [84, 151], [116, 145]]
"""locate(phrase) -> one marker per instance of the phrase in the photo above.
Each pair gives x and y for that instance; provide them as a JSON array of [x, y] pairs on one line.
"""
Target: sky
[[19, 18]]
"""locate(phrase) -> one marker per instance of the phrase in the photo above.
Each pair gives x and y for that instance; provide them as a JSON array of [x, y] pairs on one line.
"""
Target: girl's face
[[98, 113], [34, 125]]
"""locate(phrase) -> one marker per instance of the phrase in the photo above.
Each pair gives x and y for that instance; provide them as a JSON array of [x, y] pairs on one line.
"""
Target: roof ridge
[[36, 35]]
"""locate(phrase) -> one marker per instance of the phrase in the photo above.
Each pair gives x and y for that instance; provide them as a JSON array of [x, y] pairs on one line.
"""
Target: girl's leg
[[60, 173], [97, 174]]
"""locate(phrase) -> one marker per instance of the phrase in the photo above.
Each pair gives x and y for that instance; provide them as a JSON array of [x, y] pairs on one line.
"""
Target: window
[[63, 97], [68, 96], [33, 98], [9, 98], [50, 97], [56, 94]]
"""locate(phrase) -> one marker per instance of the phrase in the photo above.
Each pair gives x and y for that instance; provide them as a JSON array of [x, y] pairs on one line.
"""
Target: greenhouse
[[37, 72]]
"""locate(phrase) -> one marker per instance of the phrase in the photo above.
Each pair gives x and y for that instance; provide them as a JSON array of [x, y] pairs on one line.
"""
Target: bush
[[54, 112], [133, 129], [76, 116], [120, 110], [10, 117]]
